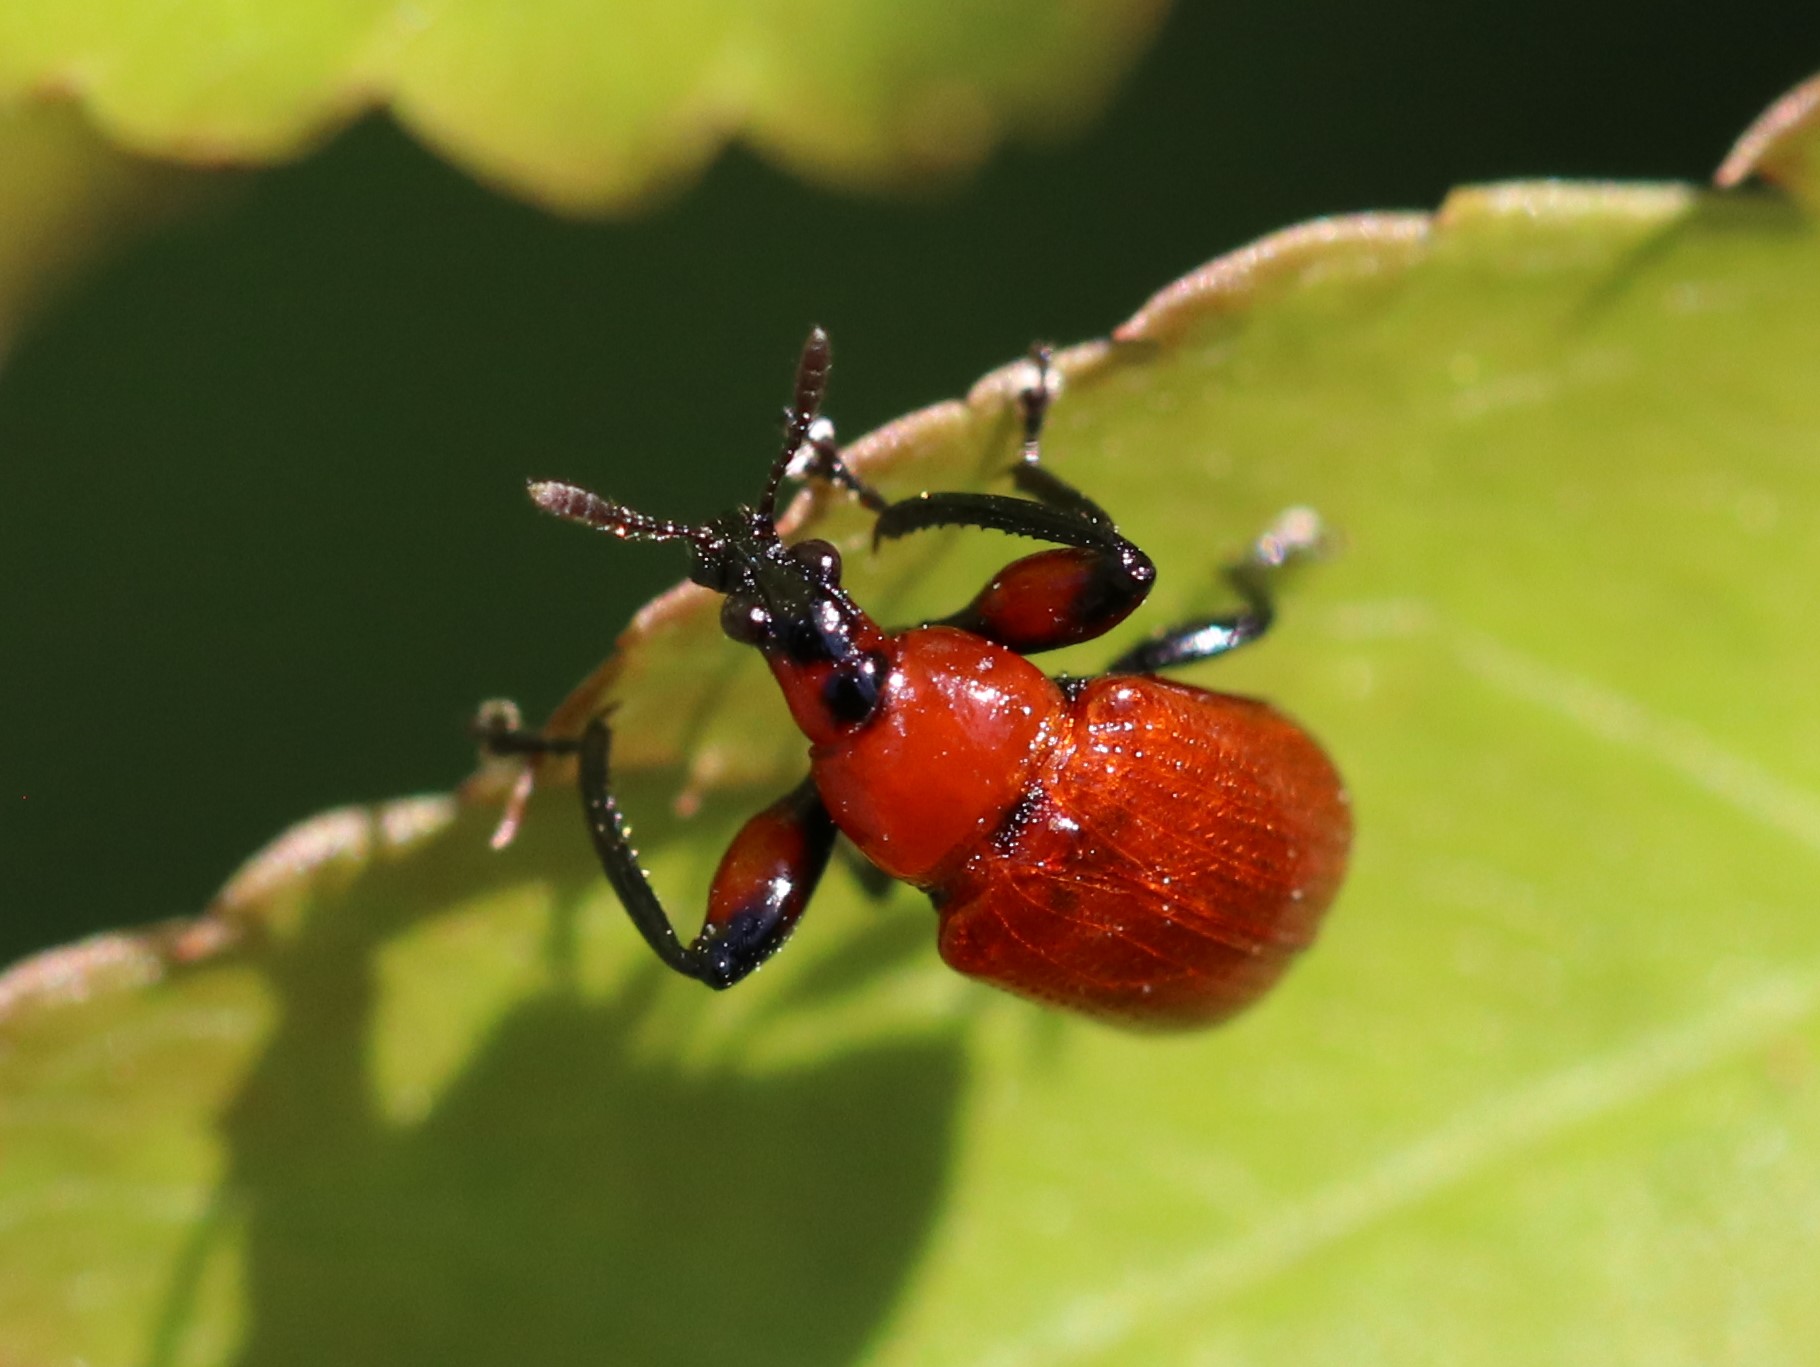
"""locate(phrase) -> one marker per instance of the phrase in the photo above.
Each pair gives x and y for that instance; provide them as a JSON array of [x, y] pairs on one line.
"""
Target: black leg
[[1054, 598], [998, 513], [1256, 577], [1030, 475], [1061, 513], [613, 845], [764, 880], [499, 727], [818, 457], [1044, 601]]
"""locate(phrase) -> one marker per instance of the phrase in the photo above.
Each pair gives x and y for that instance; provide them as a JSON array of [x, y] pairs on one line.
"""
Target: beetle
[[1137, 849]]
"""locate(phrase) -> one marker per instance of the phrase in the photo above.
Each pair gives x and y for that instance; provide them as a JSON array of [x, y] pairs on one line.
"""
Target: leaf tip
[[1782, 146]]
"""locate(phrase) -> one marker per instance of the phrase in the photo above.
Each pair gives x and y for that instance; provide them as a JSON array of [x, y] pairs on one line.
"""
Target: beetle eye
[[821, 559], [744, 620], [851, 692]]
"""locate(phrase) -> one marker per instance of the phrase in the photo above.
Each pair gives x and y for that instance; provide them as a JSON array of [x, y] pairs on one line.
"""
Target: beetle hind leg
[[1257, 576]]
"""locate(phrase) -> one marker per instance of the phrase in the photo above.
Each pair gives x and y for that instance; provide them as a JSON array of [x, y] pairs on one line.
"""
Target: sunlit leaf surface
[[1546, 1091]]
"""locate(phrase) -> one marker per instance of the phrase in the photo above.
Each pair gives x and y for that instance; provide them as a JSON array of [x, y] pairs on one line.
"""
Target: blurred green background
[[262, 545]]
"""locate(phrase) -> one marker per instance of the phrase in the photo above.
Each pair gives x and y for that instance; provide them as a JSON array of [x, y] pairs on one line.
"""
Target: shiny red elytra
[[1136, 849]]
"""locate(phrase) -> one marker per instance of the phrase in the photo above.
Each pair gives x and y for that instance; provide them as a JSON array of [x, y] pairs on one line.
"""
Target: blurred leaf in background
[[67, 194], [583, 107], [1544, 1091]]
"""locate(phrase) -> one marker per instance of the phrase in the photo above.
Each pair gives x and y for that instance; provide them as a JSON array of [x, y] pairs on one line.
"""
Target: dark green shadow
[[566, 1200]]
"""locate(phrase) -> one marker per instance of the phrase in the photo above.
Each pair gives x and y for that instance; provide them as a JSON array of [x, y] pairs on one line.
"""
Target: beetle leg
[[1054, 598], [499, 728], [818, 457], [1043, 601], [1255, 577], [1036, 479], [1030, 475], [764, 879]]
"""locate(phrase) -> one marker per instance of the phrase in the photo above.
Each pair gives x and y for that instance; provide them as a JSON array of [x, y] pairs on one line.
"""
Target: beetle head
[[786, 600]]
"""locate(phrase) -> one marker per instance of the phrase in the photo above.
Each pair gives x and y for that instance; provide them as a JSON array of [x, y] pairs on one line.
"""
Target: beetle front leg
[[759, 891], [1044, 601], [1057, 598], [1094, 581], [1030, 475], [765, 879], [818, 457]]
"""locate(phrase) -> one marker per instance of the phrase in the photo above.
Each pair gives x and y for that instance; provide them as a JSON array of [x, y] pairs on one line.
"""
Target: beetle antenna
[[811, 388], [574, 504]]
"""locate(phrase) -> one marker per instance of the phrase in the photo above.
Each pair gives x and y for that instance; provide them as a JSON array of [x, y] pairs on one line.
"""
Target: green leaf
[[584, 106], [1545, 1091]]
